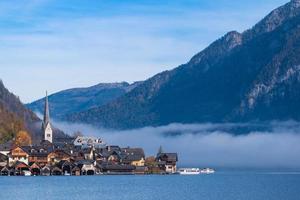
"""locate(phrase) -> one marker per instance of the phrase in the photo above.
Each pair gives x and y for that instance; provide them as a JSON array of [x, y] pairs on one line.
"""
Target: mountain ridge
[[82, 98], [242, 76]]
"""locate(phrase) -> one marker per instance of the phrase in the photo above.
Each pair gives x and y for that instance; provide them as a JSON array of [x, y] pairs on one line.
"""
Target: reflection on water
[[224, 186]]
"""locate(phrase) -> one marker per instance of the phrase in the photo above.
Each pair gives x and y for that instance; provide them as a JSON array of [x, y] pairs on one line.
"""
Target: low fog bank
[[272, 145]]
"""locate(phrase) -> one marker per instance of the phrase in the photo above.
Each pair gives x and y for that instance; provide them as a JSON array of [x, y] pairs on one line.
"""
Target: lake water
[[220, 186]]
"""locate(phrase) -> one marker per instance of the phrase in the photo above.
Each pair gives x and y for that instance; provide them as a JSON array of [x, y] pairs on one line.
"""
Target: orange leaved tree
[[23, 139]]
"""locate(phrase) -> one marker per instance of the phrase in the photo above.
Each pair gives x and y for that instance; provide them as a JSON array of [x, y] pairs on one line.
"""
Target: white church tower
[[47, 130]]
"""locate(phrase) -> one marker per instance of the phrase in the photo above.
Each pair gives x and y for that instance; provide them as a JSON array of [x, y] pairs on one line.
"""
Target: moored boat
[[189, 171], [27, 173], [207, 171]]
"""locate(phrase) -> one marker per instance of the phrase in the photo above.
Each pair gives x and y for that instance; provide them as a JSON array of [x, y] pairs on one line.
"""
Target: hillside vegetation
[[15, 117]]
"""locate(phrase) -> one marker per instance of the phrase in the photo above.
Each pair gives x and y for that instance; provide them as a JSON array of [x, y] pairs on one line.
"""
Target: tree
[[23, 139]]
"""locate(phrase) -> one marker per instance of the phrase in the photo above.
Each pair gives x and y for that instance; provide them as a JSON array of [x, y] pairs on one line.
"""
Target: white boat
[[189, 171], [207, 171], [27, 173], [67, 174]]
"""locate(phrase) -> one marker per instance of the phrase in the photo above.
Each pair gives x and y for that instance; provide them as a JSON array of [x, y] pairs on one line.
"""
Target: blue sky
[[58, 44]]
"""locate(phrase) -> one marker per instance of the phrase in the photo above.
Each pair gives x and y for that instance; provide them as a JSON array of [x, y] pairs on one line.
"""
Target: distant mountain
[[82, 99], [14, 116], [254, 75]]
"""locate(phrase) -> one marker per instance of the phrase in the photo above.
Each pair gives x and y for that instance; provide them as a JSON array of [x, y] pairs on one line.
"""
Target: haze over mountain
[[246, 76], [82, 99]]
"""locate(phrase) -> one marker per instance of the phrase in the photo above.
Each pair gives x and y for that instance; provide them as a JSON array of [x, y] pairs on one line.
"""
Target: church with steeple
[[46, 126]]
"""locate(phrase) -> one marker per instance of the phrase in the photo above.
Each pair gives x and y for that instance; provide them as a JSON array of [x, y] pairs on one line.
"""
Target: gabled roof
[[64, 163], [19, 164], [46, 170], [6, 146], [46, 167], [139, 151], [116, 154], [38, 151], [35, 166], [133, 154], [23, 148], [55, 168], [113, 148], [76, 168], [102, 151], [3, 158], [169, 157], [108, 166]]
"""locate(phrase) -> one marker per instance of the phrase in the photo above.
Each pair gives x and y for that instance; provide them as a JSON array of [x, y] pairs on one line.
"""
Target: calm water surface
[[220, 186]]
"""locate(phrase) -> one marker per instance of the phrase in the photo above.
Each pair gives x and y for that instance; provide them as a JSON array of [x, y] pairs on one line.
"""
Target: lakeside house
[[18, 154], [79, 156], [37, 160], [167, 162]]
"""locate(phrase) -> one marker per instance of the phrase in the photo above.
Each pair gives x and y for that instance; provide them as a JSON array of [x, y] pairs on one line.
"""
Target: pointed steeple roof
[[46, 111], [160, 150]]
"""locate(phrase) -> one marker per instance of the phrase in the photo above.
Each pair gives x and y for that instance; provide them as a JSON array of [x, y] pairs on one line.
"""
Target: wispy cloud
[[274, 145], [104, 45]]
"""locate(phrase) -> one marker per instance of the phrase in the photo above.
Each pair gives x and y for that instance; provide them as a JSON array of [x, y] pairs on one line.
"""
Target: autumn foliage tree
[[10, 125], [14, 117], [23, 139]]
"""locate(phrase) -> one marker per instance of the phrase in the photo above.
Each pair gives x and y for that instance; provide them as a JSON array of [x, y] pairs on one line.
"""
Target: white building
[[86, 142]]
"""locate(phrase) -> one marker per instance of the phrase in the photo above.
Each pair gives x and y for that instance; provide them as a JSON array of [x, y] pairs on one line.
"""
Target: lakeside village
[[79, 156]]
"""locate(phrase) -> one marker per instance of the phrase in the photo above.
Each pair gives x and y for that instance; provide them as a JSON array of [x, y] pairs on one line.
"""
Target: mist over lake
[[252, 145]]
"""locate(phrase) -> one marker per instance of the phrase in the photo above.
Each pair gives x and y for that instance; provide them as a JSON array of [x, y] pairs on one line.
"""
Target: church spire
[[46, 111], [48, 134], [160, 150]]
